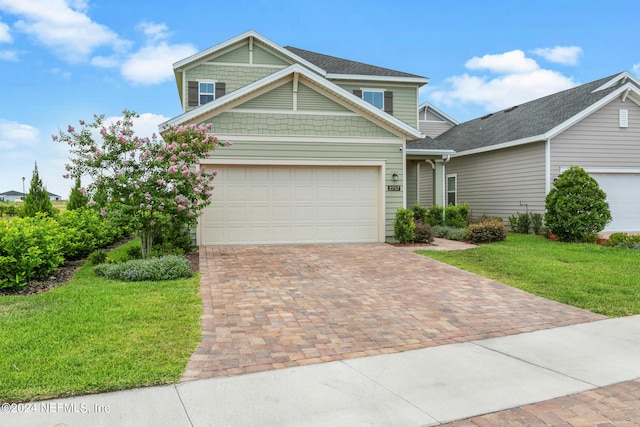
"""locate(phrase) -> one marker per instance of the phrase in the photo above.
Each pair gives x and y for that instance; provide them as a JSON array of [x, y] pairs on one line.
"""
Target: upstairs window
[[200, 93], [206, 92], [374, 97], [380, 98]]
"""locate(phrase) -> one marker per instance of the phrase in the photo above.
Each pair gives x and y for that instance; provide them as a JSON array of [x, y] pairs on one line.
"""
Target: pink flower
[[160, 182], [91, 203], [185, 172], [181, 208], [149, 207], [173, 169], [191, 213], [103, 211], [54, 137], [70, 129], [147, 196], [81, 122]]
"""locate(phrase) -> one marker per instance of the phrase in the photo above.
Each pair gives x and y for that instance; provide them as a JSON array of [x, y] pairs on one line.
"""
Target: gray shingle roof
[[334, 65], [523, 121]]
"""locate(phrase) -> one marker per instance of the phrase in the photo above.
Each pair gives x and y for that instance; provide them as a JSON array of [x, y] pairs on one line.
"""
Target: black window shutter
[[193, 94], [388, 102], [358, 93], [220, 89]]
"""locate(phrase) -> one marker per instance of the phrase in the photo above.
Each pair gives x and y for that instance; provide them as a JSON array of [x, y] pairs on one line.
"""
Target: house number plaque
[[393, 188]]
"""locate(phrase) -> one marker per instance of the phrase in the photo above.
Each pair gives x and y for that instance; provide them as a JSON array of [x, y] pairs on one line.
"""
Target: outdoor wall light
[[394, 176]]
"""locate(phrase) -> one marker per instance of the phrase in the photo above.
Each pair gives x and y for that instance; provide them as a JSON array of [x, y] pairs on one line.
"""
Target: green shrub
[[486, 232], [520, 223], [420, 213], [404, 226], [451, 233], [9, 209], [624, 240], [423, 233], [434, 216], [536, 223], [576, 208], [134, 252], [37, 199], [165, 268], [86, 231], [456, 216], [97, 257], [30, 248]]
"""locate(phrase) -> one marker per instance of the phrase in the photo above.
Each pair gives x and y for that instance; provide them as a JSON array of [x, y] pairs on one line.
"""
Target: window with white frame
[[452, 189], [374, 97], [206, 92]]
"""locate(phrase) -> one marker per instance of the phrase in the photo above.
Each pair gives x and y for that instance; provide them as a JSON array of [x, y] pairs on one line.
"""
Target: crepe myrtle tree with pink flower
[[142, 182]]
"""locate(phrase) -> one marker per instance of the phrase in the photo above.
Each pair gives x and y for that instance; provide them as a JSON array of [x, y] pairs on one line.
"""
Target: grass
[[94, 335], [599, 279]]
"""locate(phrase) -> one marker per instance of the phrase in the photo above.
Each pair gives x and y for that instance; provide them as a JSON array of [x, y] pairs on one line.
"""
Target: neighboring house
[[318, 152], [54, 197], [433, 122], [10, 196], [506, 162]]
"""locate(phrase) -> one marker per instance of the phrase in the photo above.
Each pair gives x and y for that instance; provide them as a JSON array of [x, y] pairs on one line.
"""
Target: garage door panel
[[293, 204], [623, 198]]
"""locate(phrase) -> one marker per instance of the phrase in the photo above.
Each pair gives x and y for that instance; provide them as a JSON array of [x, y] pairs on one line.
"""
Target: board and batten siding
[[494, 183], [405, 98], [598, 141], [426, 190], [328, 149]]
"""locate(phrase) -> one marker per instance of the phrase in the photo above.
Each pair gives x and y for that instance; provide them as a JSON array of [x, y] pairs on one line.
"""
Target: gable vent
[[624, 118]]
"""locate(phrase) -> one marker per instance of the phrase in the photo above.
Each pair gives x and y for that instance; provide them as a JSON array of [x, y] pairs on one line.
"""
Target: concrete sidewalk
[[414, 388]]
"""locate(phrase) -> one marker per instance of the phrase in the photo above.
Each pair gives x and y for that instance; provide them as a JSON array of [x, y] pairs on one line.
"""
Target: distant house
[[10, 196], [506, 162]]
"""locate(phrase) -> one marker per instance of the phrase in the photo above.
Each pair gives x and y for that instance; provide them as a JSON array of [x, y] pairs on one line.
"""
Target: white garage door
[[623, 195], [293, 204]]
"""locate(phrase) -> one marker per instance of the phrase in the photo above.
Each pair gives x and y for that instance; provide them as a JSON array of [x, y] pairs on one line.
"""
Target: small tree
[[143, 182], [37, 199], [576, 209], [77, 199]]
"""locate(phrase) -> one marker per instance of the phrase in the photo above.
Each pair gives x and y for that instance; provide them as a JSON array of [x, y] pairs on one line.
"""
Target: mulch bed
[[63, 273]]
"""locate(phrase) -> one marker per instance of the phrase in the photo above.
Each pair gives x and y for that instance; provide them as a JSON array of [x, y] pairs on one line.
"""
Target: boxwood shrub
[[486, 231]]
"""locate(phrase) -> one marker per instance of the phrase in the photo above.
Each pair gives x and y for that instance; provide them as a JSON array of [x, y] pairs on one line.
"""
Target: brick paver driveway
[[268, 307]]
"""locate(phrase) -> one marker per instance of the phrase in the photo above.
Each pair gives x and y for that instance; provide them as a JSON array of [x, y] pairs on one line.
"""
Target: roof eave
[[362, 77], [429, 152]]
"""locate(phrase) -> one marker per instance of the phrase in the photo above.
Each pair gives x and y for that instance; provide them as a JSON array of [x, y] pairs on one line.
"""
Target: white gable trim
[[232, 41], [437, 111], [361, 77], [624, 75], [278, 78]]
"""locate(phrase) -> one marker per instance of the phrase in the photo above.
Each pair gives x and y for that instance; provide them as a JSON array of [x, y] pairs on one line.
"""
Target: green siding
[[261, 56], [405, 99], [412, 182], [237, 56], [330, 150], [309, 99], [280, 98], [295, 124]]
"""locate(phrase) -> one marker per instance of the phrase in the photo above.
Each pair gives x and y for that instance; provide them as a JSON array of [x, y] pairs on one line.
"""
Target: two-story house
[[319, 142]]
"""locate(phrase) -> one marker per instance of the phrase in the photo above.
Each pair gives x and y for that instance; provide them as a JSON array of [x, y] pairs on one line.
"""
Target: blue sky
[[65, 60]]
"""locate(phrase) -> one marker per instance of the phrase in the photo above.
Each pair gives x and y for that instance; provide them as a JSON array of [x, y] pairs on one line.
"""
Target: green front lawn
[[599, 279], [94, 335]]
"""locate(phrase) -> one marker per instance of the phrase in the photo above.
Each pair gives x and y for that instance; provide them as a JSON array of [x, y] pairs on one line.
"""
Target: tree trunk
[[146, 240]]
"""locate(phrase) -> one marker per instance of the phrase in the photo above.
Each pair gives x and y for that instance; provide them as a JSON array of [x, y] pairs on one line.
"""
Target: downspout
[[547, 166], [444, 185]]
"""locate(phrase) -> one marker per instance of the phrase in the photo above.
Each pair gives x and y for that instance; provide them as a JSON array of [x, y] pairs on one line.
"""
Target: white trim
[[612, 170], [306, 138], [335, 92], [421, 152], [427, 105], [295, 112], [547, 166], [243, 64], [381, 164], [537, 138], [361, 77], [376, 90], [446, 188], [624, 76], [205, 81], [239, 38]]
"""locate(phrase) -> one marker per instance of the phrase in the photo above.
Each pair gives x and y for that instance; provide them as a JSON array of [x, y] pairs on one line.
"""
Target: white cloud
[[514, 61], [8, 55], [144, 126], [520, 79], [17, 135], [105, 61], [153, 31], [636, 69], [63, 26], [5, 35], [567, 55], [153, 64]]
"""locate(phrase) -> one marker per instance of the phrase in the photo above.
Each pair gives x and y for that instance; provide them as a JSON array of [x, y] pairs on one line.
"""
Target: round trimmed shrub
[[576, 208], [487, 231]]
